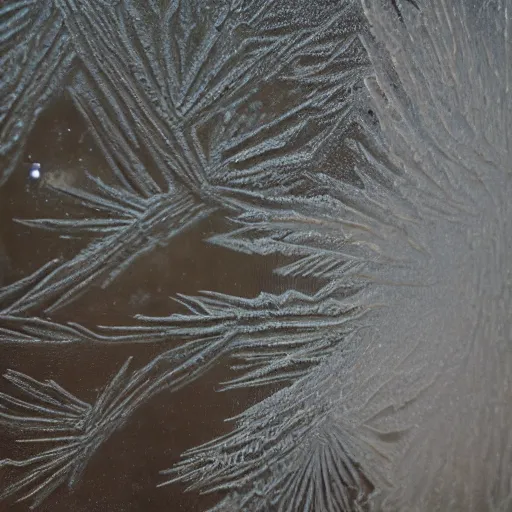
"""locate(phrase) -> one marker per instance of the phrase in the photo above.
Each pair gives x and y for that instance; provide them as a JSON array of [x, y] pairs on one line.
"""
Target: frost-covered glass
[[255, 255]]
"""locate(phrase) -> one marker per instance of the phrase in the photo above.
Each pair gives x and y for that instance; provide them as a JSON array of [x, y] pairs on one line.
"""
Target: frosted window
[[255, 255]]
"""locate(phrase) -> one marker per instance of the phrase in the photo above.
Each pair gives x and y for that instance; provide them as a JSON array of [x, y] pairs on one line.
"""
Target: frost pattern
[[387, 368], [188, 85], [35, 56]]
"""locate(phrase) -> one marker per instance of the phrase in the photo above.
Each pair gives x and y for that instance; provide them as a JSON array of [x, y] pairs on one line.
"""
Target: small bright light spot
[[35, 171]]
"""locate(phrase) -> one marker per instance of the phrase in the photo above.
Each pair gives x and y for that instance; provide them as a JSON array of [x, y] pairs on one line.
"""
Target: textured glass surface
[[255, 255]]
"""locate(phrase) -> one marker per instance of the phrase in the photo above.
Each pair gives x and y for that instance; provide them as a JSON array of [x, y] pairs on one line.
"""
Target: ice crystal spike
[[121, 240], [275, 338], [72, 427], [268, 466], [18, 327]]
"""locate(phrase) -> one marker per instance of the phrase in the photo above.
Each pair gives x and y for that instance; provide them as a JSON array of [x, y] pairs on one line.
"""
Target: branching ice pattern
[[186, 86], [35, 56], [386, 367]]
